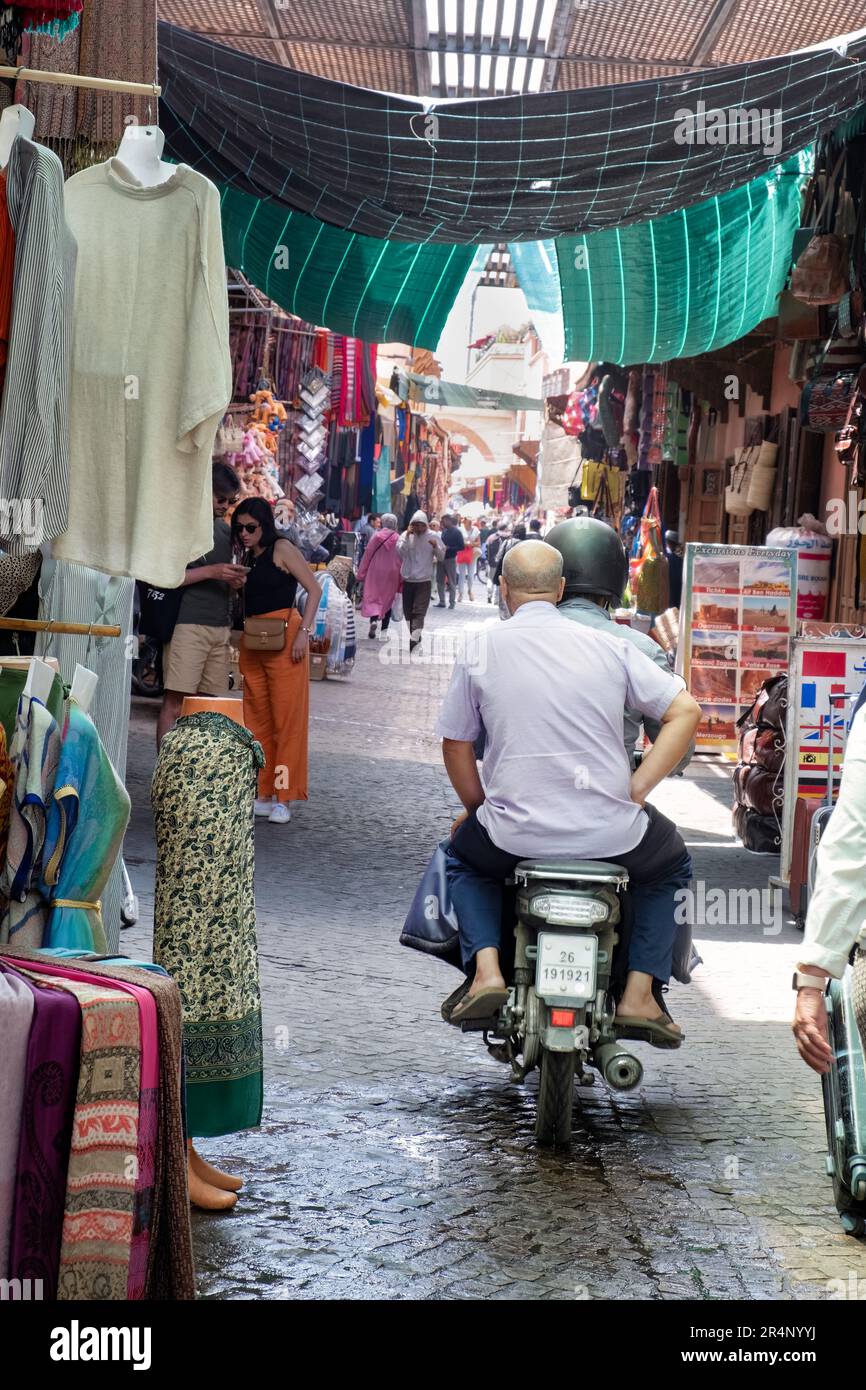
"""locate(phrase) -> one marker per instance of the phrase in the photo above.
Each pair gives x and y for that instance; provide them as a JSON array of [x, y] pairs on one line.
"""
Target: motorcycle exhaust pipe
[[620, 1069]]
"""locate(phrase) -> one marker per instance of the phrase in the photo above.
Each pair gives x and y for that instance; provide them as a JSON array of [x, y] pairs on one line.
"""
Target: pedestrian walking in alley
[[466, 560], [197, 659], [419, 548], [517, 535], [275, 662], [379, 572], [493, 546], [453, 542]]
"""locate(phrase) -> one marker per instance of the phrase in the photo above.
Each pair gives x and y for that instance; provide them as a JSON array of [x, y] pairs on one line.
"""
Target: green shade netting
[[685, 283], [381, 291], [432, 391]]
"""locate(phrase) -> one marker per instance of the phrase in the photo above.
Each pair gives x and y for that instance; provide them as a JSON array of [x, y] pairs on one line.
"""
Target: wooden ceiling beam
[[721, 16], [271, 23]]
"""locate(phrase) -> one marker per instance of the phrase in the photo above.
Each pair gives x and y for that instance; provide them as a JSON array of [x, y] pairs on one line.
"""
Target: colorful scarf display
[[51, 1078], [16, 1013]]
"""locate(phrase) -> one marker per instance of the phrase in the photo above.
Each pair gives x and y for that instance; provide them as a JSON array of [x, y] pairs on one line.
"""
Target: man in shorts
[[197, 660]]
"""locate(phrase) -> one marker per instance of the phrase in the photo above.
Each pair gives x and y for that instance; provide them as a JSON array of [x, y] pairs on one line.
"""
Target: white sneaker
[[264, 808], [281, 814]]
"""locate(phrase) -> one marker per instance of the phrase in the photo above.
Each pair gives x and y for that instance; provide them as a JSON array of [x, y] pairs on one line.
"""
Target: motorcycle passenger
[[557, 783], [595, 570]]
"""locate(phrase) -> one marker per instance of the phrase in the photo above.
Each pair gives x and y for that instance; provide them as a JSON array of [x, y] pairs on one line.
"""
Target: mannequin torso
[[140, 151], [15, 120]]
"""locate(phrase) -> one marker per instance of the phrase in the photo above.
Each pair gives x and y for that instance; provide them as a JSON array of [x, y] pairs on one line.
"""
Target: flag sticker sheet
[[740, 605], [822, 667]]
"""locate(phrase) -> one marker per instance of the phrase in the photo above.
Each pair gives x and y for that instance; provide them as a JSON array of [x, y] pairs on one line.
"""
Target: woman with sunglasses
[[276, 683]]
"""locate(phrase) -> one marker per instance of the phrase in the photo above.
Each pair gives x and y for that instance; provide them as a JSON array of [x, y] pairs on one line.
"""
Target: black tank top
[[268, 587]]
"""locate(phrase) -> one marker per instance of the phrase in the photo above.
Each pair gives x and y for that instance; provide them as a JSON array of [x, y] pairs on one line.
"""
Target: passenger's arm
[[462, 769], [678, 725], [652, 727]]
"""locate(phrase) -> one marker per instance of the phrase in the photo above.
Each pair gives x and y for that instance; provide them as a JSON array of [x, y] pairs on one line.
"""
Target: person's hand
[[457, 822], [810, 1028], [299, 646], [233, 575]]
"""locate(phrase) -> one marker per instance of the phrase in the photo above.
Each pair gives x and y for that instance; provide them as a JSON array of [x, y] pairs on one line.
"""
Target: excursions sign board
[[738, 618]]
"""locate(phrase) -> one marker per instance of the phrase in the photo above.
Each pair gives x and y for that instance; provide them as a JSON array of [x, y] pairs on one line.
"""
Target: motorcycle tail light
[[562, 1018]]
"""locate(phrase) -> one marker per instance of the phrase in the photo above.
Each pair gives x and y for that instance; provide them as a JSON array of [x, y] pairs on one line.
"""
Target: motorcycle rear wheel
[[555, 1104]]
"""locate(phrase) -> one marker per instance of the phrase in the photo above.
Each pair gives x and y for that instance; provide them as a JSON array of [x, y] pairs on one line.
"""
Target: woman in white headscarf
[[380, 574]]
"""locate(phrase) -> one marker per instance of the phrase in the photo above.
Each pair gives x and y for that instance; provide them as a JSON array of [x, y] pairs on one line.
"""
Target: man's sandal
[[449, 1004], [657, 1031], [485, 1004]]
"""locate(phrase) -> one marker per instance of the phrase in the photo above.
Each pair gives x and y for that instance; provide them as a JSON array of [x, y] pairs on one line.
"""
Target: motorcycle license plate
[[566, 966]]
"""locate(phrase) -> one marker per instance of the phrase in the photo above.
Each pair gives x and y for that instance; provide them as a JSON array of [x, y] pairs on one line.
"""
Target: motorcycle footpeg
[[479, 1025]]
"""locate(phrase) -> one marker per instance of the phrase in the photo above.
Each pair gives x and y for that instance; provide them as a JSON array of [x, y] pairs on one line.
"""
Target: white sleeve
[[838, 907], [460, 718], [649, 688]]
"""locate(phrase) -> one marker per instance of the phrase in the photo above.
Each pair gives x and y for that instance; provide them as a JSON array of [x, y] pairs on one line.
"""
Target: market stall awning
[[510, 168], [682, 284], [429, 390], [376, 290]]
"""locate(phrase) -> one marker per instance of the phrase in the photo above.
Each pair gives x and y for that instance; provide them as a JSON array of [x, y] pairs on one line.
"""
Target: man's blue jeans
[[657, 868]]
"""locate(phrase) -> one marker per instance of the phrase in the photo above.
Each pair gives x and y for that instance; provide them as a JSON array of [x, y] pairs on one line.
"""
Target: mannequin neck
[[140, 152], [15, 120]]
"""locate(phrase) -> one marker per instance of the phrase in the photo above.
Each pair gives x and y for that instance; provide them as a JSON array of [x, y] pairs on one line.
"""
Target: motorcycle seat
[[571, 871]]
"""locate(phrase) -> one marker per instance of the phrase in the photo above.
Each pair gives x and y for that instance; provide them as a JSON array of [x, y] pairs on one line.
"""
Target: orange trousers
[[277, 712]]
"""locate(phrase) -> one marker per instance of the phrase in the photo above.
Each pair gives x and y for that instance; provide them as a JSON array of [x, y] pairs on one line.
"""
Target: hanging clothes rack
[[77, 79], [45, 625]]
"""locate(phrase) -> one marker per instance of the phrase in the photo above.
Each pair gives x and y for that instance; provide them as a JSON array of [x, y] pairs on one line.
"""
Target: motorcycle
[[559, 1015], [844, 1088]]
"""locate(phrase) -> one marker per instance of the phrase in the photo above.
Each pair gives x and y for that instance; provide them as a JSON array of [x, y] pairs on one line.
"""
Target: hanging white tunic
[[151, 371]]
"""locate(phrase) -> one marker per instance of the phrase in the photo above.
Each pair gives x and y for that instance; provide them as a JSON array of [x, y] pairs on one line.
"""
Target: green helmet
[[593, 559]]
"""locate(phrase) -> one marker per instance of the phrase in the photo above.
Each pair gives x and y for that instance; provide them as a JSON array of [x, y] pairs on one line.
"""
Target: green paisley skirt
[[204, 915]]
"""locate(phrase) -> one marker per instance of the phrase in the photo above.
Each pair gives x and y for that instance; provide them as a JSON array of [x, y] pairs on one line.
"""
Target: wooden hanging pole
[[77, 629], [77, 79]]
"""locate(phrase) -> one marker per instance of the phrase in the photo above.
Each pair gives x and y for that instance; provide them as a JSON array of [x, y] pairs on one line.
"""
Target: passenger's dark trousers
[[447, 569], [416, 601], [658, 868]]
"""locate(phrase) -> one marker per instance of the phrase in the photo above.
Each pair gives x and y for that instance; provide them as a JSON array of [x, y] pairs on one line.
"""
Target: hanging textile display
[[47, 1108], [34, 753], [683, 284], [34, 430], [16, 1013], [101, 1203], [81, 849], [204, 914], [143, 253], [522, 167], [377, 290], [77, 594]]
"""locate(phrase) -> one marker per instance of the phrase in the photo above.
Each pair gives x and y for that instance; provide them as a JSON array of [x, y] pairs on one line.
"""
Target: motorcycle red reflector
[[562, 1018]]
